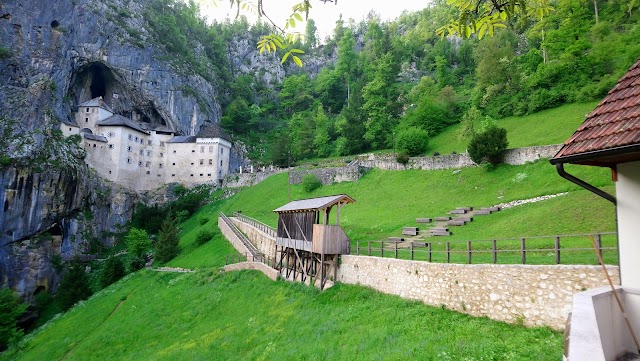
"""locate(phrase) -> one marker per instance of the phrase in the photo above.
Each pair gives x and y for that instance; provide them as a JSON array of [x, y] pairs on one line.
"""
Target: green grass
[[386, 201], [552, 126], [245, 316]]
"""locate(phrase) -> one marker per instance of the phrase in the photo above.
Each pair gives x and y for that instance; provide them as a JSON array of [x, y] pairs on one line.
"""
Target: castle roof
[[182, 139], [70, 122], [119, 120], [212, 130], [611, 133], [314, 204], [96, 137], [96, 102]]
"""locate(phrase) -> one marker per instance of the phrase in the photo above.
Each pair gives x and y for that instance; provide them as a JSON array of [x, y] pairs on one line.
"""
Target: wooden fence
[[255, 223], [558, 249]]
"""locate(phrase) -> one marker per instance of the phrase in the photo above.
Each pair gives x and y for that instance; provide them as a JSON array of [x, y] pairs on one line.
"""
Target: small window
[[221, 150], [211, 149], [110, 146], [141, 152], [136, 139], [109, 172], [140, 164], [193, 150], [149, 142], [202, 149], [128, 148], [160, 165], [130, 136], [201, 175], [173, 164], [174, 152], [173, 175], [161, 155], [87, 110], [148, 172], [221, 163], [162, 144], [208, 174], [192, 175], [148, 153], [201, 161], [94, 145], [129, 160], [147, 164], [158, 175], [86, 120], [210, 161], [191, 163], [69, 129]]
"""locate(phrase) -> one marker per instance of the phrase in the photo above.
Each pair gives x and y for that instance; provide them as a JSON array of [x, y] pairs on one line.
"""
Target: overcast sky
[[325, 15]]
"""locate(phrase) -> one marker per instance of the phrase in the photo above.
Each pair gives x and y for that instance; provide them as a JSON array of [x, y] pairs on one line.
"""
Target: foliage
[[167, 244], [488, 146], [5, 53], [413, 141], [203, 237], [402, 158], [311, 182], [74, 286], [11, 308], [203, 220], [138, 242], [112, 271]]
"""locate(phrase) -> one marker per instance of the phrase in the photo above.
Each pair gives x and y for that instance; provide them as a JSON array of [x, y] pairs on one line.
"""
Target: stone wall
[[514, 156], [534, 295], [329, 175], [265, 243], [231, 237], [238, 180]]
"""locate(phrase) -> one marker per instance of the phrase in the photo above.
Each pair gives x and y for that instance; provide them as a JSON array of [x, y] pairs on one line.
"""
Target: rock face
[[52, 215], [67, 52]]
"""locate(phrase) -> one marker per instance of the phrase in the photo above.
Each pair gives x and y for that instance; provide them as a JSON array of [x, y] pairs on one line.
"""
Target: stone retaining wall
[[329, 175], [265, 243], [514, 156], [232, 238], [534, 295], [238, 180], [268, 271]]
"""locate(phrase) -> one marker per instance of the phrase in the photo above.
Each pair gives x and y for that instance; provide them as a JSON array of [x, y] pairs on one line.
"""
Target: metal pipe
[[583, 184]]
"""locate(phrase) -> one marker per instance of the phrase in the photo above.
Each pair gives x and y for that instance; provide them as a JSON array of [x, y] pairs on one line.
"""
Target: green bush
[[136, 263], [138, 242], [311, 182], [203, 220], [489, 146], [203, 237], [112, 271], [11, 309], [412, 141], [402, 158], [74, 286]]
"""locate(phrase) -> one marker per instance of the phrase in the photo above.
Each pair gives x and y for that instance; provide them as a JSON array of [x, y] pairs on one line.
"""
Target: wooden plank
[[440, 219], [456, 222], [465, 218], [441, 234], [494, 209], [396, 239], [468, 209], [439, 229], [483, 211], [458, 211], [423, 220], [410, 231]]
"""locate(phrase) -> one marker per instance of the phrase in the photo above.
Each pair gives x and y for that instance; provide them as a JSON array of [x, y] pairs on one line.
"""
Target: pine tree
[[74, 286], [167, 244], [10, 308]]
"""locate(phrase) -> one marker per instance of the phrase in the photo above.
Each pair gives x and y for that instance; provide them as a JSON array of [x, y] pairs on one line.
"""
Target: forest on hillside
[[389, 83]]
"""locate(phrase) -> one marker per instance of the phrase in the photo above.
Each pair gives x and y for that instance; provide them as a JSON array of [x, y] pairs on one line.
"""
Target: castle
[[142, 157]]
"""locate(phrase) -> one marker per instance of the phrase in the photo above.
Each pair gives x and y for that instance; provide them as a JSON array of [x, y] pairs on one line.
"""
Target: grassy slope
[[389, 200], [553, 126]]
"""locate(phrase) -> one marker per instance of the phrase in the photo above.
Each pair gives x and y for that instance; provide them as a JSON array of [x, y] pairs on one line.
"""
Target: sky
[[325, 15]]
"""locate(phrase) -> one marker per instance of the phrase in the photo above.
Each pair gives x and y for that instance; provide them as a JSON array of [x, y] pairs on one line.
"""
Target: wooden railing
[[255, 223], [559, 249]]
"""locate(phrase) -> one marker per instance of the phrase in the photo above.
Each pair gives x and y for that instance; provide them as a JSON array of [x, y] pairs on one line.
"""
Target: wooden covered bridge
[[307, 246]]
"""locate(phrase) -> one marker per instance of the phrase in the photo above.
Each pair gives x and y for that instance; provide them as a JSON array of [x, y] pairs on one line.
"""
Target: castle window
[[69, 129], [94, 145], [173, 164], [208, 174], [128, 148], [162, 144], [130, 136], [173, 175], [160, 165], [140, 164], [148, 142], [110, 146], [211, 149], [192, 175], [201, 161], [221, 163], [86, 120], [174, 152], [148, 164], [221, 150], [201, 174], [148, 153], [87, 110], [191, 163], [210, 161], [109, 172], [158, 175], [193, 150], [136, 139], [202, 149], [148, 172], [161, 155], [129, 160], [141, 152]]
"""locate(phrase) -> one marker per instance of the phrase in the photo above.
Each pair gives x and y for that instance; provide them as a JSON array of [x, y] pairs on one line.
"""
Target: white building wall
[[87, 117], [628, 208], [69, 130]]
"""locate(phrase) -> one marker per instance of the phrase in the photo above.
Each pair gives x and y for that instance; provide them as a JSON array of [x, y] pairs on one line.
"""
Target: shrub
[[203, 237], [167, 244], [435, 154], [11, 309], [311, 182], [489, 146], [138, 242], [402, 158], [203, 220], [112, 271], [136, 263], [74, 286], [412, 141]]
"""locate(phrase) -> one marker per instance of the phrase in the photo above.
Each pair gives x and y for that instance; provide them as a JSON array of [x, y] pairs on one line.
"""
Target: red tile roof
[[613, 125]]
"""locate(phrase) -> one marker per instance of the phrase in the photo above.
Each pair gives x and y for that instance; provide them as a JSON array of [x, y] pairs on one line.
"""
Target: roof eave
[[602, 158]]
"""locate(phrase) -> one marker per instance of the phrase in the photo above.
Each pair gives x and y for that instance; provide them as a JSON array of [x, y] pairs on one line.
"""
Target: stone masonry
[[265, 243], [329, 175], [535, 295]]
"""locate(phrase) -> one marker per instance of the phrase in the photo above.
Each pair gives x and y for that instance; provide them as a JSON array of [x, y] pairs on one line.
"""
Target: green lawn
[[551, 126], [245, 316]]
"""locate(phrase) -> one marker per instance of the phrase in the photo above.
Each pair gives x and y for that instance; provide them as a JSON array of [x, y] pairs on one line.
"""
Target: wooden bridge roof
[[314, 204]]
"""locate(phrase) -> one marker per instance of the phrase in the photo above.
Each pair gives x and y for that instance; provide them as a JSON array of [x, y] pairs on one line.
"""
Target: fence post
[[494, 251], [369, 247], [599, 244], [556, 247], [357, 248], [429, 250], [523, 252], [382, 249], [469, 252], [395, 249], [411, 248], [448, 253]]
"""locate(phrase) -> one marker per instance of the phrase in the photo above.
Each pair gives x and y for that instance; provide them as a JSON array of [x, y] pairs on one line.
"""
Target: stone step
[[441, 219], [456, 222], [423, 220]]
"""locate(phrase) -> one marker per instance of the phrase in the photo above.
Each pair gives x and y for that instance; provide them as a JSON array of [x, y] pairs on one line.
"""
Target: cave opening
[[99, 80], [54, 24], [56, 230]]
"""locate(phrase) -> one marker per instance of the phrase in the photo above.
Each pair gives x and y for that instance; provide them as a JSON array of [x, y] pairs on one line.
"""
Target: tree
[[489, 146], [112, 271], [138, 242], [167, 244], [310, 35], [347, 60], [74, 286], [11, 309]]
